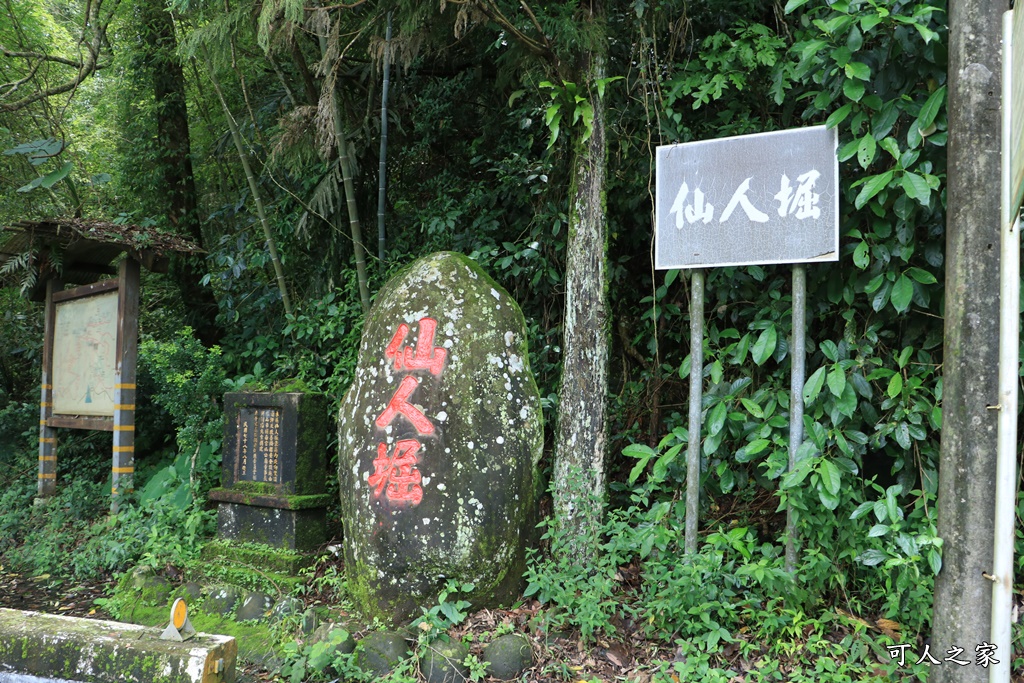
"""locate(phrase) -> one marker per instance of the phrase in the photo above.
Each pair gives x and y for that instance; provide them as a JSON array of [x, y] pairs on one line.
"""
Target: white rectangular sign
[[84, 355], [745, 200]]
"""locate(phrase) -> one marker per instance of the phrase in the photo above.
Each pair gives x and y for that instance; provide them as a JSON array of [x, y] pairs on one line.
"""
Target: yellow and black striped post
[[47, 483], [123, 467], [47, 442]]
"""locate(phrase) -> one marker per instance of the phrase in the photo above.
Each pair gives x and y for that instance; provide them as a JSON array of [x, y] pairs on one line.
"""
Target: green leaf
[[854, 90], [813, 385], [891, 504], [752, 408], [907, 544], [848, 150], [895, 387], [891, 146], [450, 611], [839, 115], [551, 113], [872, 557], [844, 464], [878, 530], [747, 453], [902, 435], [638, 450], [764, 347], [31, 186], [902, 293], [926, 33], [661, 464], [828, 499], [855, 40], [602, 83], [716, 372], [931, 109], [637, 470], [794, 4], [921, 275], [866, 150], [716, 418], [862, 509], [881, 298], [795, 477], [684, 368], [836, 380], [554, 127], [872, 187], [861, 255], [916, 187], [831, 477], [858, 70], [870, 21], [847, 403], [726, 479], [934, 560]]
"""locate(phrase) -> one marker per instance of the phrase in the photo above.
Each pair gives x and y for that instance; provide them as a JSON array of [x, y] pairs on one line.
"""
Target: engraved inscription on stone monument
[[259, 438]]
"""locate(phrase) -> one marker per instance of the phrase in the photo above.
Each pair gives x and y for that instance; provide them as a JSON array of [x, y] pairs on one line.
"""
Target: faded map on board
[[84, 344]]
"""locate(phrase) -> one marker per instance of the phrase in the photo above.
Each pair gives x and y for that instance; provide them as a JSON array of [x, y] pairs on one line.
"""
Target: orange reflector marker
[[179, 628]]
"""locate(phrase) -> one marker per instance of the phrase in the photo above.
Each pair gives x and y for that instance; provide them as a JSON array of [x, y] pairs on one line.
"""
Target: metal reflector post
[[797, 355], [696, 392]]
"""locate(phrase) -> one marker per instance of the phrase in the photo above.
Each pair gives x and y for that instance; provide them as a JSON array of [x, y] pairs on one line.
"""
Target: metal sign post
[[798, 359], [696, 389], [753, 199], [1009, 342]]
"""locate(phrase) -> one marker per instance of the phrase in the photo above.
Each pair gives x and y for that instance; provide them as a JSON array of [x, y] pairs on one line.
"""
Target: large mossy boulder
[[439, 437]]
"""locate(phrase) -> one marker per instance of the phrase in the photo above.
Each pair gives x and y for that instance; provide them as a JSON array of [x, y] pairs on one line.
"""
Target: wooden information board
[[88, 382]]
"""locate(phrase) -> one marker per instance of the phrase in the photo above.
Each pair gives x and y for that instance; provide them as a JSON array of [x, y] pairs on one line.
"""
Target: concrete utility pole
[[967, 467]]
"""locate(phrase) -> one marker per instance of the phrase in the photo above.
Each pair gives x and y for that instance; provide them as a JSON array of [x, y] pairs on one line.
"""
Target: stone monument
[[273, 471], [439, 438]]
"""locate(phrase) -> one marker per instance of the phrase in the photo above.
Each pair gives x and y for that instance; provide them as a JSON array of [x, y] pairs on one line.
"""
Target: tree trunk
[[353, 210], [579, 485], [962, 601], [174, 149]]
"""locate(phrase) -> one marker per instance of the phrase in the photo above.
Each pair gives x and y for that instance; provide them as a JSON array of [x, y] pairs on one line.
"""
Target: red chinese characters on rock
[[399, 405], [425, 357], [395, 475]]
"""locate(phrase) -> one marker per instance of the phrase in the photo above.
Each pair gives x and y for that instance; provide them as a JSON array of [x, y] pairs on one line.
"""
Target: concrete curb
[[93, 651]]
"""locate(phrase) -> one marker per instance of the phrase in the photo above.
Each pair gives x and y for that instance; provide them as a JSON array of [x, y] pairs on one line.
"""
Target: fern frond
[[327, 198], [269, 23], [215, 36]]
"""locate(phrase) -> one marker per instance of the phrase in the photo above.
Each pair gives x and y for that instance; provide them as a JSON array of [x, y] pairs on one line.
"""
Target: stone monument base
[[236, 557], [289, 522]]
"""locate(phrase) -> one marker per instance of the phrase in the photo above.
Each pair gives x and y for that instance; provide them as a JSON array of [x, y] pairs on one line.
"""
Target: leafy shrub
[[188, 382]]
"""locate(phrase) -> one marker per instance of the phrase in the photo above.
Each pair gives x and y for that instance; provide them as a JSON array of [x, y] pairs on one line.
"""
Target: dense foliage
[[283, 106]]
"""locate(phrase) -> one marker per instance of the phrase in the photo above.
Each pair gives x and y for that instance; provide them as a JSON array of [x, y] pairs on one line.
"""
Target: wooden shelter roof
[[88, 248]]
